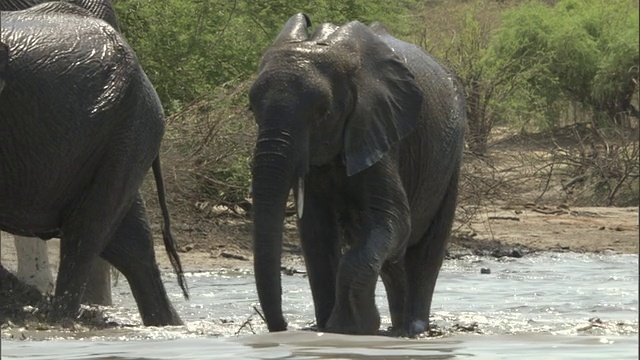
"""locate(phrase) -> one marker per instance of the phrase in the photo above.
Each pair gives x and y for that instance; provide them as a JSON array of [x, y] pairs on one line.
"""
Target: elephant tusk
[[300, 200]]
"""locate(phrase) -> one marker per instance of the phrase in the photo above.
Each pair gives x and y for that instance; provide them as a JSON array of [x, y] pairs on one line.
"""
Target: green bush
[[200, 56], [584, 51], [188, 48]]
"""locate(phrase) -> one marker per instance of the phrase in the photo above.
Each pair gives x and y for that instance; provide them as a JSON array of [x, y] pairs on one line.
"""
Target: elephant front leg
[[321, 249], [383, 228], [77, 255], [355, 310]]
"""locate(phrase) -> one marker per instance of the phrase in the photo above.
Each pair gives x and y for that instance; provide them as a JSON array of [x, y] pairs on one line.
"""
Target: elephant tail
[[169, 243]]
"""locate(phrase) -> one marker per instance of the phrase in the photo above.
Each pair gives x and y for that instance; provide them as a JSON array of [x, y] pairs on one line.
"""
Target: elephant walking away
[[368, 131], [32, 253], [77, 109]]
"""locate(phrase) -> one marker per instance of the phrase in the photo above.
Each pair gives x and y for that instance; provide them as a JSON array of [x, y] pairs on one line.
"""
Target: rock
[[292, 271], [485, 271], [516, 253], [186, 248], [473, 327]]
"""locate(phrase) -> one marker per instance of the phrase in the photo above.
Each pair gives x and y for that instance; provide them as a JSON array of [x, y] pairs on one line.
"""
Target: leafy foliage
[[521, 62], [460, 36], [200, 56], [583, 51], [188, 48]]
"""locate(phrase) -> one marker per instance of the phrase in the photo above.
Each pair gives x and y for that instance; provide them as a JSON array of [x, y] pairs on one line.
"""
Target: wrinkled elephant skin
[[80, 126]]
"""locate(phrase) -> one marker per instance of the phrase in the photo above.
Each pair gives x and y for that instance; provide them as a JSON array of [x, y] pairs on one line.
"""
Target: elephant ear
[[295, 30], [4, 61], [387, 100]]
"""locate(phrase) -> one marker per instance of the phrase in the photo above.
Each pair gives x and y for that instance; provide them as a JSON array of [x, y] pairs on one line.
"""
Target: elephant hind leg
[[423, 262], [84, 234], [98, 289], [394, 280], [33, 263], [34, 269], [131, 252], [90, 223]]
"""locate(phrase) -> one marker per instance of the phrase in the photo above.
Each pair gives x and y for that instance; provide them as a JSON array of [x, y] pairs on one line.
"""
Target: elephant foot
[[159, 318], [67, 323], [60, 317], [344, 322], [417, 328]]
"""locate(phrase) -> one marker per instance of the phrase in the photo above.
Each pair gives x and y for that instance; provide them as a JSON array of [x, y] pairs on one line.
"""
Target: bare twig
[[260, 314], [245, 324], [514, 218]]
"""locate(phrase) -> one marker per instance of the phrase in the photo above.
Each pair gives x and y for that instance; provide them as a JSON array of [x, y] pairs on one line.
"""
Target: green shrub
[[584, 51], [188, 48]]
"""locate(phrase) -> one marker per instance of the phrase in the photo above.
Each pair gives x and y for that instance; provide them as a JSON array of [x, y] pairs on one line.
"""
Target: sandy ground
[[496, 231]]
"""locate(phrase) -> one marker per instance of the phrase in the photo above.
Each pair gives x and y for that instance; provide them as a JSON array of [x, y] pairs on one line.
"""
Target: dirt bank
[[494, 231]]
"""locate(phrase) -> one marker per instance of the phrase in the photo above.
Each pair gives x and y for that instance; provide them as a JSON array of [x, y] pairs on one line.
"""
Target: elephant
[[33, 262], [77, 109], [367, 130]]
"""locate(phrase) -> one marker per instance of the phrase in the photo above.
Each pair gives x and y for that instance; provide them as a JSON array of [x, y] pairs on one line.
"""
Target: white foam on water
[[561, 305]]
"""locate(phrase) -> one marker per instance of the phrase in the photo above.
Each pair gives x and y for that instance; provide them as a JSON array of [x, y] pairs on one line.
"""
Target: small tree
[[460, 36]]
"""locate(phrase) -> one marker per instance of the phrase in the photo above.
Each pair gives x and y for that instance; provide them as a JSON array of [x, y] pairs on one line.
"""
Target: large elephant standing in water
[[77, 110], [368, 131], [33, 258]]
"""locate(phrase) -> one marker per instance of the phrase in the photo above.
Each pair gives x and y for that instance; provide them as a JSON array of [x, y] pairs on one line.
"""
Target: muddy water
[[548, 306]]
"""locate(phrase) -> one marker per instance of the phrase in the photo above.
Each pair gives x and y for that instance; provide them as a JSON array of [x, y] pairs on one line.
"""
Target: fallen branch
[[575, 180], [549, 212], [246, 323], [504, 218]]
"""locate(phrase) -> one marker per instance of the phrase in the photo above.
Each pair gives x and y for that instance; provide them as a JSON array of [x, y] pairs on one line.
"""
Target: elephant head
[[339, 95]]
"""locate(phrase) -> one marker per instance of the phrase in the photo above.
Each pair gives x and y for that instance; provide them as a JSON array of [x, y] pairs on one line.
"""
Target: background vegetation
[[566, 67]]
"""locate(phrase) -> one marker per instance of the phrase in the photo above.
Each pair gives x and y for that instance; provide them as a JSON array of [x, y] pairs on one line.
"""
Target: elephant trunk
[[273, 171]]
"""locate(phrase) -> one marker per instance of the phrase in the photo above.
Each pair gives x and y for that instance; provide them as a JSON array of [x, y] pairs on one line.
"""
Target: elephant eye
[[322, 109], [322, 106]]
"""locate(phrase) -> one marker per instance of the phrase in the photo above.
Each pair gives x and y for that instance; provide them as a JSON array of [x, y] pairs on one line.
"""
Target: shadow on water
[[549, 306]]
